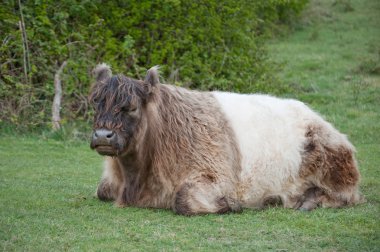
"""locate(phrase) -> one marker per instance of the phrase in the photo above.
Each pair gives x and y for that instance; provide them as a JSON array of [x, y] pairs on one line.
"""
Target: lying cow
[[215, 152]]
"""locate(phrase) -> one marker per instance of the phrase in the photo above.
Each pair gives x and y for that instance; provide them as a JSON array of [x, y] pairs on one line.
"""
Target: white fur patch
[[270, 133]]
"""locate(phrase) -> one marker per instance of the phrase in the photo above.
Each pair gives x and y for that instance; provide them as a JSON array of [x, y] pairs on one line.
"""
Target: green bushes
[[199, 44]]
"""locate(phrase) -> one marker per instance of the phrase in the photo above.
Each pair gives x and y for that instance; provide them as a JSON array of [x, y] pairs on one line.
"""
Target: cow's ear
[[102, 72], [152, 78]]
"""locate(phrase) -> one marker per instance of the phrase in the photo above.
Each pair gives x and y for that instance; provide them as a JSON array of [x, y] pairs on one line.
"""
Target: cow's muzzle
[[103, 141]]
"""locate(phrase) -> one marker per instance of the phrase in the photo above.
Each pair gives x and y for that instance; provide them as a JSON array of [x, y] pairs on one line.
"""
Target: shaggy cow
[[214, 152]]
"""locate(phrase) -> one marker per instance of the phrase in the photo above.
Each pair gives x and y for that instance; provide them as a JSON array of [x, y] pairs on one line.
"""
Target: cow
[[215, 152]]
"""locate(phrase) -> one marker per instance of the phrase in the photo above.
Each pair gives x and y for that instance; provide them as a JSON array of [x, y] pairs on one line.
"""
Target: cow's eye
[[128, 109], [132, 109], [95, 101]]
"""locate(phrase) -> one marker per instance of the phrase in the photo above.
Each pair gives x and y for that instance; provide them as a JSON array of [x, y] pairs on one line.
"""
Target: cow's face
[[119, 104]]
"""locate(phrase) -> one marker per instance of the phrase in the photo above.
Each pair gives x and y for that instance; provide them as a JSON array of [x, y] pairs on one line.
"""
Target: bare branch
[[25, 44], [56, 107], [25, 66]]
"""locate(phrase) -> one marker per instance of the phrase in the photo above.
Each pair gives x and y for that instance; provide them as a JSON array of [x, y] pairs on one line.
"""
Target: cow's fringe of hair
[[112, 96]]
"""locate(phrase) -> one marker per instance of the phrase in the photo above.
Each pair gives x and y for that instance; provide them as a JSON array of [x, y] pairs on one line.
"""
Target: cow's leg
[[202, 197], [315, 197], [111, 181], [310, 200]]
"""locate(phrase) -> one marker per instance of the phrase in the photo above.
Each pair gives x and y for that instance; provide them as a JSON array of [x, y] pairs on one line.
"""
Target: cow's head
[[119, 104]]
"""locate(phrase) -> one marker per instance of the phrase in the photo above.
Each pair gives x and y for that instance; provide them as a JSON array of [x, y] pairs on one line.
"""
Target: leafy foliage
[[199, 44]]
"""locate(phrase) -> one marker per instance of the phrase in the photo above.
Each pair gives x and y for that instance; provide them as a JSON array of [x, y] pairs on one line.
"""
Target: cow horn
[[102, 71], [152, 76]]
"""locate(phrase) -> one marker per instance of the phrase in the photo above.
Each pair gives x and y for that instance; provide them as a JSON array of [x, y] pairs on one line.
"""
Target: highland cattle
[[215, 152]]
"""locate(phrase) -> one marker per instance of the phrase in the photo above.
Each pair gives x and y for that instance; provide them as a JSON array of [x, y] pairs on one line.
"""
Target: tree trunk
[[56, 107]]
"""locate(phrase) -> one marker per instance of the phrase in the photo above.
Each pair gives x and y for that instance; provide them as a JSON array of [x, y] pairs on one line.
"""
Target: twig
[[25, 61], [135, 67], [25, 44]]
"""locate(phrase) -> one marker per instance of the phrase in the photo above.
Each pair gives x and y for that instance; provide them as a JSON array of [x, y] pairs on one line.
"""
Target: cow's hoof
[[104, 192]]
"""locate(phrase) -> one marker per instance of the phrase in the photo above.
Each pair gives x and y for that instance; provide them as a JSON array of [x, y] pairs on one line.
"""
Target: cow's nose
[[103, 137]]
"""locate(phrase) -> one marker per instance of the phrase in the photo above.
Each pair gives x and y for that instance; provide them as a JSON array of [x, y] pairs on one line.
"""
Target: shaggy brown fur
[[330, 171], [176, 150]]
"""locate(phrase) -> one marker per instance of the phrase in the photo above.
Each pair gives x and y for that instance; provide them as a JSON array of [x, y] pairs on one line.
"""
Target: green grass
[[47, 186], [48, 204]]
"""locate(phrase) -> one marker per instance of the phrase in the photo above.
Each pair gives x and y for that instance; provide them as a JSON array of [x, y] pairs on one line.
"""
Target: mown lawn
[[47, 186]]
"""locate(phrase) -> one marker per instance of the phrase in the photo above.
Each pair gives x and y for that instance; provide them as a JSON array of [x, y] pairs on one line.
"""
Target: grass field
[[47, 186]]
